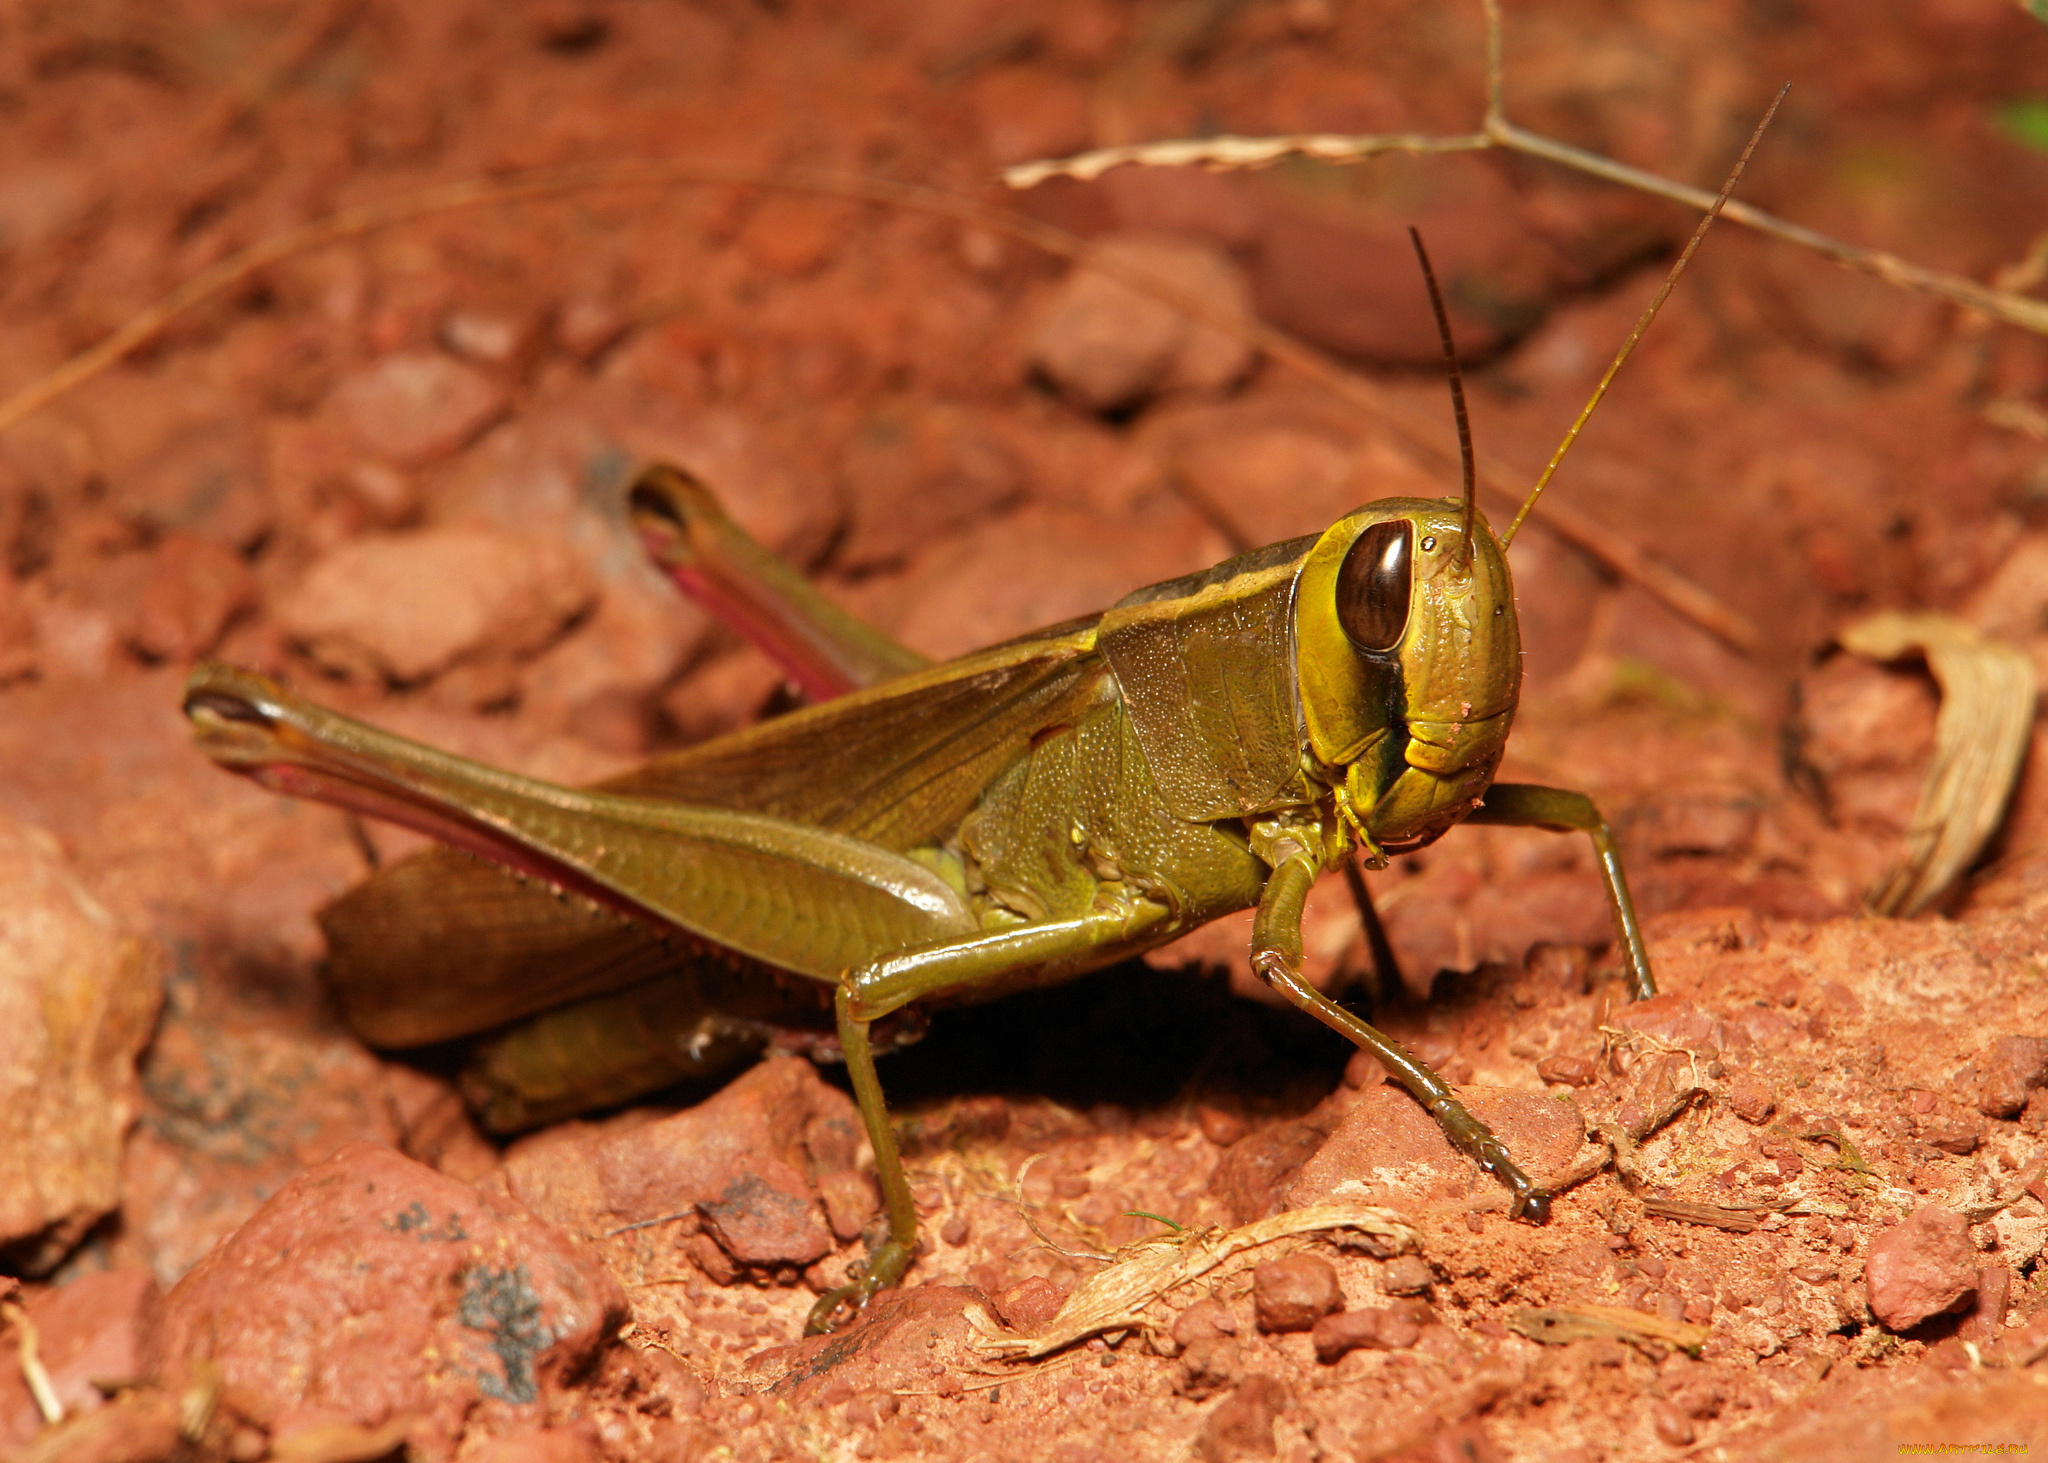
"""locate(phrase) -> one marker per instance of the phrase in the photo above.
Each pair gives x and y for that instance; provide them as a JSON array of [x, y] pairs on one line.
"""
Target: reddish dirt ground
[[388, 470]]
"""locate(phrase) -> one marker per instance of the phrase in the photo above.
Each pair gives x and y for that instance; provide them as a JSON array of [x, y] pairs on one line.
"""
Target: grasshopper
[[1014, 817]]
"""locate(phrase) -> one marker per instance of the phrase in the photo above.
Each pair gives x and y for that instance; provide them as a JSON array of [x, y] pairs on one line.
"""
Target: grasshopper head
[[1409, 654]]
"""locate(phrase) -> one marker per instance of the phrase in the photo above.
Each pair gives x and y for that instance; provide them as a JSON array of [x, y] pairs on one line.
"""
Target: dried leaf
[[1980, 740], [1116, 1298]]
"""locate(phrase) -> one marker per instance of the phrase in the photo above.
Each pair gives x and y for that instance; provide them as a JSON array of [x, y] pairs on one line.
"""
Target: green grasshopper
[[1014, 817]]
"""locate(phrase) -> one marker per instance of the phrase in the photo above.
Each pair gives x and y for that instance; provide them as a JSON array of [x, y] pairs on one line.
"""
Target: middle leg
[[1276, 955], [874, 990]]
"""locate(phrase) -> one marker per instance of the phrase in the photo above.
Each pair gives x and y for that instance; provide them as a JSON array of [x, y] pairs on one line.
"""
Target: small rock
[[1219, 1125], [1994, 1295], [1204, 1320], [87, 1332], [188, 1178], [203, 477], [723, 693], [1955, 1135], [1243, 1423], [492, 337], [1294, 1293], [792, 235], [409, 606], [1108, 347], [1030, 1303], [1386, 1149], [1257, 1170], [1673, 1019], [1406, 1275], [416, 407], [2015, 1066], [370, 1287], [17, 632], [735, 1166], [1867, 733], [1041, 565], [193, 587], [1272, 477], [1570, 1071], [917, 470], [1345, 279], [1207, 1367], [1750, 1097], [1920, 1267], [600, 683], [905, 1341], [850, 1199], [1028, 112], [77, 1002], [1384, 1328], [1671, 1426]]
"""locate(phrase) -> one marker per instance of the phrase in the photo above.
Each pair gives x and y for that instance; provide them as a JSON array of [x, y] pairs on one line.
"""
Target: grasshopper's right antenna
[[1443, 330], [1627, 346]]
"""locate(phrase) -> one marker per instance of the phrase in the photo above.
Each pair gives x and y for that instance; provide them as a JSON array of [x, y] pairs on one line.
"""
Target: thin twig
[[1608, 548], [1232, 152]]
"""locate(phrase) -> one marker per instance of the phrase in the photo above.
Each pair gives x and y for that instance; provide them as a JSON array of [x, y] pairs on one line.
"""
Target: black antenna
[[1443, 330]]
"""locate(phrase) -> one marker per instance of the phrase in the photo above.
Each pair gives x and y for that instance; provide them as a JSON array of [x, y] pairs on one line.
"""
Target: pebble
[[415, 407], [1920, 1267], [192, 588], [1109, 348], [1030, 1303], [1407, 1275], [408, 606], [1383, 1328], [1566, 1070], [1671, 1426], [1294, 1293], [1243, 1422], [1750, 1097], [735, 1167], [1204, 1320], [917, 1341], [1387, 1150], [2014, 1066]]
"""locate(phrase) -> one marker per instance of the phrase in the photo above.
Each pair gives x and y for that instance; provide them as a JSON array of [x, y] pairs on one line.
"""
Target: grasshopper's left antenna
[[1443, 330], [1684, 258]]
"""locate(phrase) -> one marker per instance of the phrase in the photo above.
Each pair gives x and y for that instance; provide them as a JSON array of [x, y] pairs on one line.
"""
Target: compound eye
[[1372, 587]]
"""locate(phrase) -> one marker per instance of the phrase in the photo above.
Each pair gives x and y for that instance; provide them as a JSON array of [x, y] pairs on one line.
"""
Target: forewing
[[443, 943], [896, 765]]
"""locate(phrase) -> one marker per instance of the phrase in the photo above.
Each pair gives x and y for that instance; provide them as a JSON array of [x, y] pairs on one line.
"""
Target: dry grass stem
[[1495, 131]]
